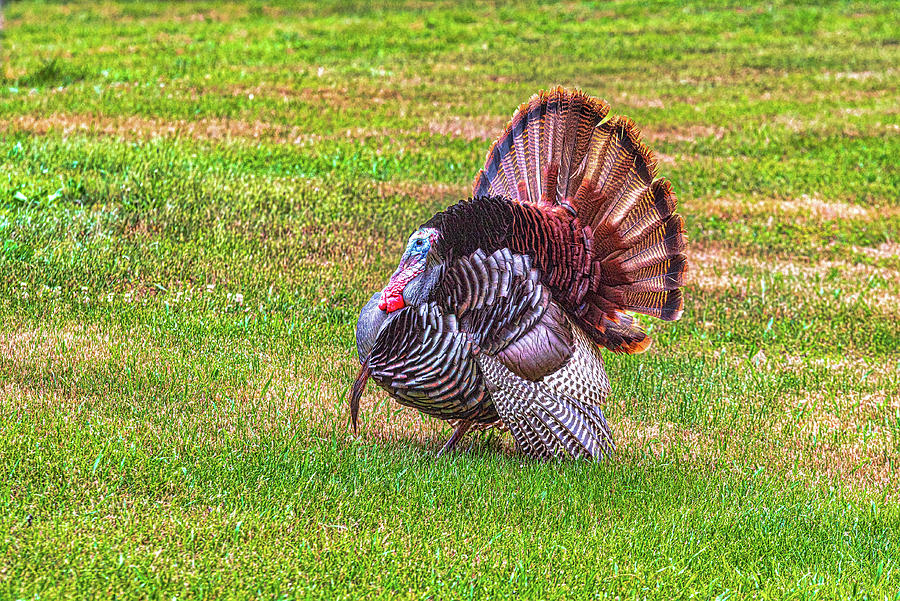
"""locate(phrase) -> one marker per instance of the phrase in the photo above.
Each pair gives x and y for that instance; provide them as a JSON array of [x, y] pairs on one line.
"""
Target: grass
[[196, 199]]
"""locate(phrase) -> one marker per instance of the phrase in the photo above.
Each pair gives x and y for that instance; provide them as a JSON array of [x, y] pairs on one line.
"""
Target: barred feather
[[545, 423]]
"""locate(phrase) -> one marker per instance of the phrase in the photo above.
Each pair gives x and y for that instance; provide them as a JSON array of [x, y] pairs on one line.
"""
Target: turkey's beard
[[356, 392]]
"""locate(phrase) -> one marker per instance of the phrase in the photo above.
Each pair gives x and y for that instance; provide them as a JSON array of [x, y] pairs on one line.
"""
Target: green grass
[[196, 200]]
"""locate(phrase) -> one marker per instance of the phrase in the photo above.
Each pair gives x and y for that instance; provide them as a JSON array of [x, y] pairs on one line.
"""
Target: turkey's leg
[[461, 428]]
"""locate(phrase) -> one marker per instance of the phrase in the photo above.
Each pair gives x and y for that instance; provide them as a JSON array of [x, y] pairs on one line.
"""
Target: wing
[[495, 305], [502, 305]]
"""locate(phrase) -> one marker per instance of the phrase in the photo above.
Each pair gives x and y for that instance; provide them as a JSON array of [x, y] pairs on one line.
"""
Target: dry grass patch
[[674, 133], [423, 191], [848, 438], [657, 438], [132, 127], [806, 436], [485, 127], [886, 250], [69, 345], [846, 129], [882, 373], [805, 209], [814, 206], [489, 128], [19, 401], [714, 267], [135, 127], [848, 271], [384, 421], [858, 75]]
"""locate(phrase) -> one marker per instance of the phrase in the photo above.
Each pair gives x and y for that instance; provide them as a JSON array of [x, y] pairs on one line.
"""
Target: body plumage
[[499, 304]]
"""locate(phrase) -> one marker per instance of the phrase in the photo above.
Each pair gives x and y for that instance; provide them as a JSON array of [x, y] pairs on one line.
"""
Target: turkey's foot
[[461, 428]]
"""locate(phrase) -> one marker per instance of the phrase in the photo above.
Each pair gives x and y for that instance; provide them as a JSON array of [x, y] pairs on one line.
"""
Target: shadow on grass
[[488, 443], [51, 73]]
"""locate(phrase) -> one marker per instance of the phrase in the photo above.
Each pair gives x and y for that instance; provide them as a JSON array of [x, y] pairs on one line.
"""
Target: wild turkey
[[499, 303]]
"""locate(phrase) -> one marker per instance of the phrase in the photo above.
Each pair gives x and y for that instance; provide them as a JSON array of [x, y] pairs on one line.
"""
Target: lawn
[[196, 200]]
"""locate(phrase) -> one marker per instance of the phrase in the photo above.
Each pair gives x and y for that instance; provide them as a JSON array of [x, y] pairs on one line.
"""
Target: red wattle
[[391, 302]]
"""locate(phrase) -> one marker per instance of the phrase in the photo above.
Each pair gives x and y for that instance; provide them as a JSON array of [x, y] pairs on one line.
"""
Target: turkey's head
[[416, 275]]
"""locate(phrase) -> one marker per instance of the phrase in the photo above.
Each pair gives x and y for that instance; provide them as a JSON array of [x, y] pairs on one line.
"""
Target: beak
[[356, 392]]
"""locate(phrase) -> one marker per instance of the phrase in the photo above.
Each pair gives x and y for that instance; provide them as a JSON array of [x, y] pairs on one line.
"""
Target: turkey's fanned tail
[[538, 158], [563, 150]]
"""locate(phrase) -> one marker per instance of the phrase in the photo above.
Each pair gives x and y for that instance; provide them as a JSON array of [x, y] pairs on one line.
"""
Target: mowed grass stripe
[[457, 37], [433, 158], [327, 104]]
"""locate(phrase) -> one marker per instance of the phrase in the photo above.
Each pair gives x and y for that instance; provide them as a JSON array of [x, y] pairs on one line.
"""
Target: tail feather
[[573, 137], [627, 167], [534, 117], [624, 336], [659, 245], [563, 148], [666, 305], [652, 207], [666, 275], [538, 157], [589, 203]]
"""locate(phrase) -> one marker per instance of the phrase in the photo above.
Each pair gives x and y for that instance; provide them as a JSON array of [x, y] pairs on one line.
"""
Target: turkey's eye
[[419, 243]]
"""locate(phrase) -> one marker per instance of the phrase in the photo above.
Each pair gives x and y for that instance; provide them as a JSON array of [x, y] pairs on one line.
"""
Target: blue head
[[415, 275]]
